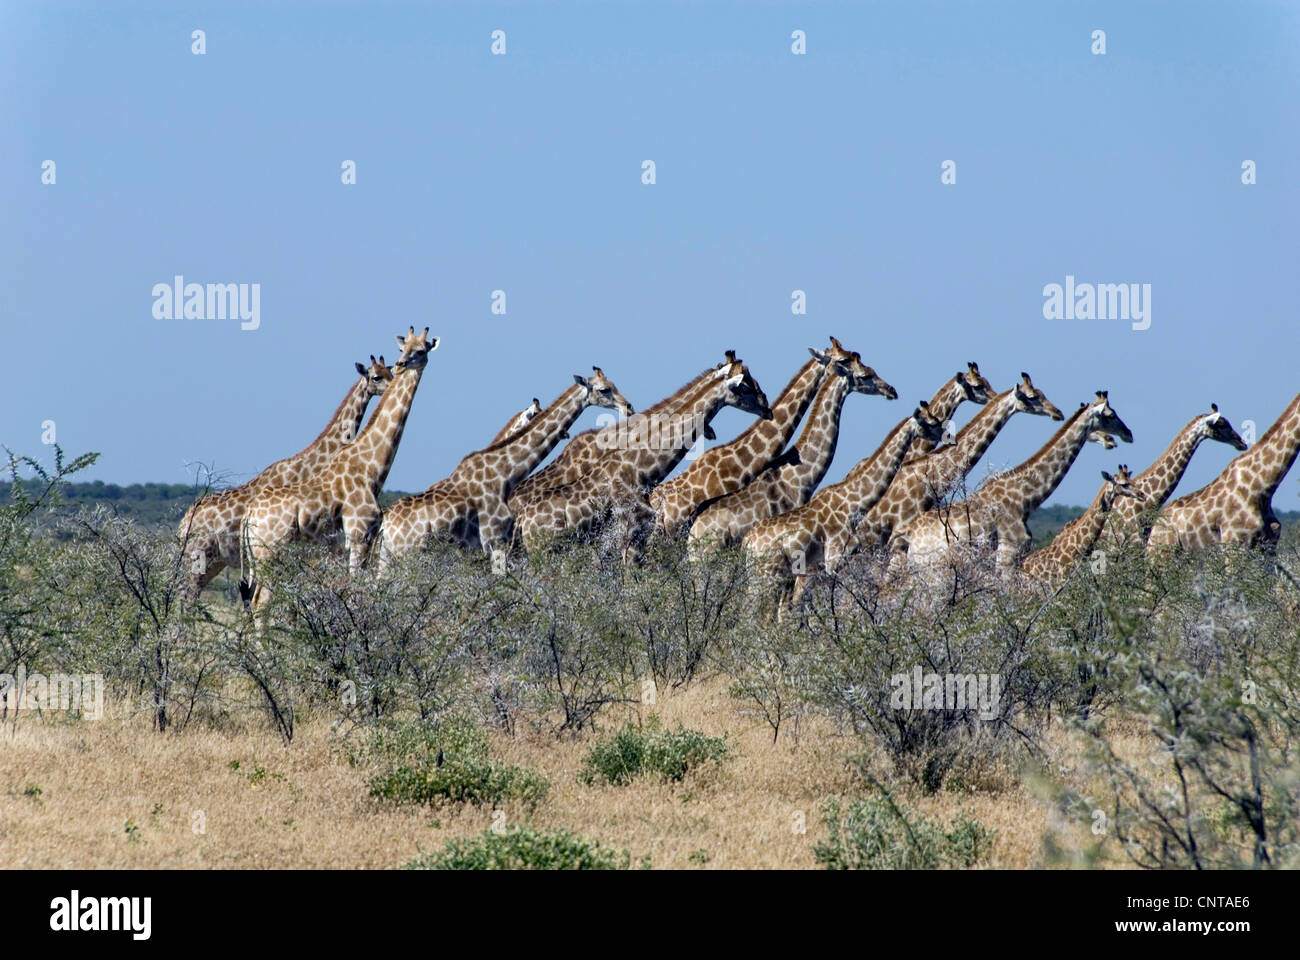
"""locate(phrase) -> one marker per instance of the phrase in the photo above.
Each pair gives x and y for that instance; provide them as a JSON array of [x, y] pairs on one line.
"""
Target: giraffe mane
[[681, 392], [1169, 448], [337, 413], [1042, 451], [865, 465], [530, 425], [1274, 427]]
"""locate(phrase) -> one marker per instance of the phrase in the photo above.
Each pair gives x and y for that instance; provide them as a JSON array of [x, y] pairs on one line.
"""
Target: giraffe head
[[1119, 485], [602, 392], [1215, 426], [1029, 399], [972, 383], [416, 348], [1104, 418], [742, 390], [862, 378], [378, 376], [1103, 439], [928, 427]]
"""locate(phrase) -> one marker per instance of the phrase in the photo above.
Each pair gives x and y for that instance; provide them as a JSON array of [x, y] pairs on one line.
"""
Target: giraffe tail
[[247, 577]]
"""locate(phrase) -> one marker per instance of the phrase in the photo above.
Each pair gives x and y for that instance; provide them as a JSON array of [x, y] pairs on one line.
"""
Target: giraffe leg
[[638, 521], [359, 530], [494, 535], [798, 591]]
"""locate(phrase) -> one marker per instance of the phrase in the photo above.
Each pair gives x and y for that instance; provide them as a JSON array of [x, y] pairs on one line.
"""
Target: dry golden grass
[[310, 808]]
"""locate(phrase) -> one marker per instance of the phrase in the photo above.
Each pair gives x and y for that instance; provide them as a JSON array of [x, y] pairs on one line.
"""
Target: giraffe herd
[[759, 492]]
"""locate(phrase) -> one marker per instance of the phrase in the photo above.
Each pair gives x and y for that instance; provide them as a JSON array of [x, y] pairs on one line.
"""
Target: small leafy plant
[[878, 834], [647, 750], [523, 848], [448, 762]]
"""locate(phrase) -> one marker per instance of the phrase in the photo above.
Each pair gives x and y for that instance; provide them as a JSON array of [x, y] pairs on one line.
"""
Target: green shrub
[[1192, 766], [461, 781], [445, 762], [877, 834], [648, 751], [412, 742], [523, 848]]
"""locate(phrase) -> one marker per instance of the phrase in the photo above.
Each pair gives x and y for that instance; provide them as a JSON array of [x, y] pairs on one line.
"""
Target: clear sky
[[523, 173]]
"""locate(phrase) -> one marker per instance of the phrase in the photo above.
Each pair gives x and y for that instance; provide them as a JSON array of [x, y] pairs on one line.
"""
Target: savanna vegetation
[[573, 712]]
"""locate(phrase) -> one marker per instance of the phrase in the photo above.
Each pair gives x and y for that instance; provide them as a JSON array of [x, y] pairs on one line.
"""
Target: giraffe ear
[[580, 380], [401, 340], [819, 356], [361, 370], [1107, 477], [708, 433]]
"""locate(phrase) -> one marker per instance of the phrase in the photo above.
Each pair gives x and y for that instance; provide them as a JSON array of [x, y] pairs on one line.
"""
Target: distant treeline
[[147, 503], [165, 503]]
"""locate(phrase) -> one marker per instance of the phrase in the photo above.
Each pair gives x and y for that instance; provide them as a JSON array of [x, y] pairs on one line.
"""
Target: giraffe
[[636, 457], [998, 512], [518, 421], [1052, 565], [786, 485], [1157, 482], [581, 454], [922, 484], [970, 385], [209, 531], [470, 505], [725, 469], [1237, 506], [792, 544], [343, 495]]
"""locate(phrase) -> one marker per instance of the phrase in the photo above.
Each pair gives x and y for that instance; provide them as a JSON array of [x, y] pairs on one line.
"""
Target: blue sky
[[522, 172]]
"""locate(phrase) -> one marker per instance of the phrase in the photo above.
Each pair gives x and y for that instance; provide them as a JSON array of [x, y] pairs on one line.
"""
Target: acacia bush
[[1173, 677], [648, 750], [877, 833], [523, 848], [1194, 764]]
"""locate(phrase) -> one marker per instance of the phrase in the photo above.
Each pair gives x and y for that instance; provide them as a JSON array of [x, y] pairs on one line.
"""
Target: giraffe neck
[[1028, 485], [517, 423], [818, 439], [339, 432], [976, 437], [764, 439], [540, 437], [1081, 534], [593, 445], [867, 482], [942, 406], [682, 395], [1158, 481], [667, 438], [1261, 468], [372, 453]]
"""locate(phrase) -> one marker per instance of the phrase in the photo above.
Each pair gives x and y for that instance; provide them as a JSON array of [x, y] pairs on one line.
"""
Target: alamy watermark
[[179, 300], [919, 690], [1098, 301], [79, 692]]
